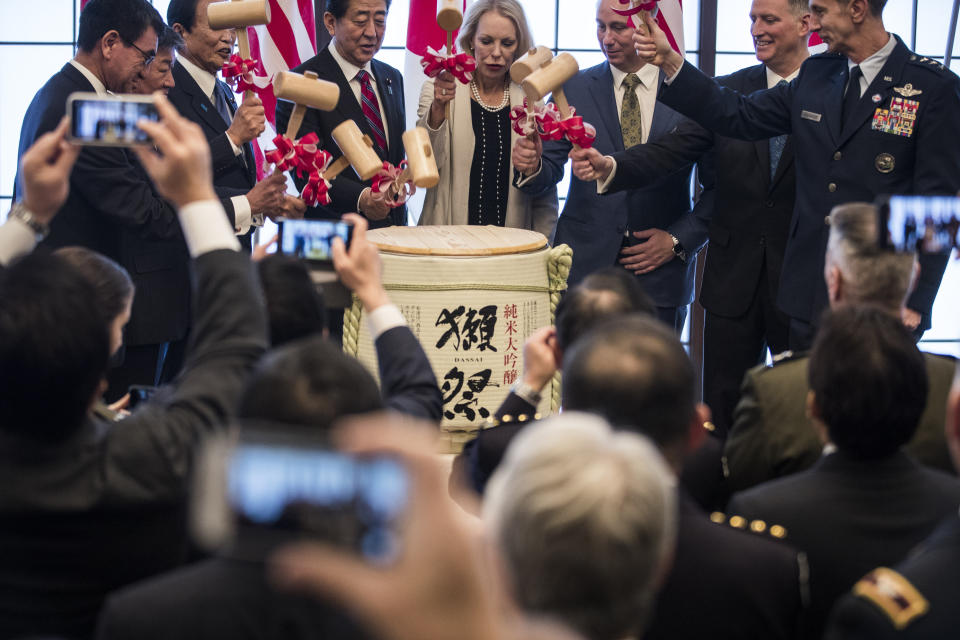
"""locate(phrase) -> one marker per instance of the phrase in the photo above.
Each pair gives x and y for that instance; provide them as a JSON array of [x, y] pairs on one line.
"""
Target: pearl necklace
[[476, 96]]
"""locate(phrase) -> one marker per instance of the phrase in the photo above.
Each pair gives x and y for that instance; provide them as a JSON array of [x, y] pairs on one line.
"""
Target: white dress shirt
[[646, 93], [871, 66], [94, 80], [350, 73]]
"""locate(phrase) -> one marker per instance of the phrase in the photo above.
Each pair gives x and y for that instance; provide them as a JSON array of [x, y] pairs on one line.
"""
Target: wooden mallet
[[304, 91], [357, 151], [526, 64], [551, 78], [239, 14], [449, 17], [421, 163]]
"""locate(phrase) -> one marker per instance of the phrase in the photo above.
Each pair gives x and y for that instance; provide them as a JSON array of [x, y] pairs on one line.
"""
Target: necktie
[[222, 104], [631, 120], [776, 147], [371, 110], [852, 96]]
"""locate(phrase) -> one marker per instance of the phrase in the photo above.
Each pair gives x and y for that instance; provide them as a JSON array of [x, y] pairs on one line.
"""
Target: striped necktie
[[371, 110]]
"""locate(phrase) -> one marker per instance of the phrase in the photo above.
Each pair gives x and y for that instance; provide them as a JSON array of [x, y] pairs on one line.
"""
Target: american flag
[[289, 39]]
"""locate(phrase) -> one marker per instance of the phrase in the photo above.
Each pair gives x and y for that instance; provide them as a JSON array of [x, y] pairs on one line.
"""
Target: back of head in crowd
[[585, 518], [129, 18], [634, 372], [868, 381], [603, 294], [114, 289], [295, 308], [857, 271], [54, 346], [310, 383]]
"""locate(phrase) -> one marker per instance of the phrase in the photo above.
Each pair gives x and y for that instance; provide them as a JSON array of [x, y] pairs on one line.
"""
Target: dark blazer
[[346, 189], [407, 381], [850, 516], [837, 163], [231, 175], [219, 598], [114, 210], [593, 225], [928, 577], [104, 508], [773, 437], [727, 584]]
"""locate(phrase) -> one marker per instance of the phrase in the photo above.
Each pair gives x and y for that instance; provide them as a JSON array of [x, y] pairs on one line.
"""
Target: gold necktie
[[631, 120]]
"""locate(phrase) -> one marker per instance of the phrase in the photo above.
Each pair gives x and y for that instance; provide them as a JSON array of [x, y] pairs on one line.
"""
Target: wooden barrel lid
[[456, 240]]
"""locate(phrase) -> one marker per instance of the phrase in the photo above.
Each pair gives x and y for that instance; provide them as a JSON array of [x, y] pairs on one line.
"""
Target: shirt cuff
[[604, 185], [384, 318], [236, 150], [206, 228], [526, 179], [16, 239], [669, 81], [359, 198], [242, 216]]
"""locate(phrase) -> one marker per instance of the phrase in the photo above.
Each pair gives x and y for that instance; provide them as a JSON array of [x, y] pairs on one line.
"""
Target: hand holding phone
[[312, 240], [109, 120]]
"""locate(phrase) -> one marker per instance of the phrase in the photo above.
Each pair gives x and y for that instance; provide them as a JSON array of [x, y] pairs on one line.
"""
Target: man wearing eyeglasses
[[113, 207]]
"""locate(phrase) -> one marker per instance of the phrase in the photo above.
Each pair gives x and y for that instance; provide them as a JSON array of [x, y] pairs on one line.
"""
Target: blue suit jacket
[[836, 163], [593, 225]]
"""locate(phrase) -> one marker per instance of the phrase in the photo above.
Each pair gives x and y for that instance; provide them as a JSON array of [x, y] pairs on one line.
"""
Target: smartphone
[[924, 224], [312, 240], [265, 488], [109, 120]]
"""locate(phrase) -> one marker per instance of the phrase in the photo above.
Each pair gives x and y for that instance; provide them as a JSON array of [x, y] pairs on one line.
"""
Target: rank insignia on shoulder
[[907, 91], [893, 595]]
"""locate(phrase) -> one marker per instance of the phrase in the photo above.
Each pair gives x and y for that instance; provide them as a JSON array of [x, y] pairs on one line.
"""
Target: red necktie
[[371, 110]]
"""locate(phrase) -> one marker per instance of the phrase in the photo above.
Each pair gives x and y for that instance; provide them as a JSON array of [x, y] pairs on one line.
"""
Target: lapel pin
[[203, 106], [876, 97]]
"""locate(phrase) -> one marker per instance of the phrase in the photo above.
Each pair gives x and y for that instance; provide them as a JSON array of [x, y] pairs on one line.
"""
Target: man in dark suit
[[880, 133], [112, 207], [772, 435], [357, 27], [865, 503], [919, 598], [229, 596], [89, 506], [648, 230], [229, 129], [748, 201]]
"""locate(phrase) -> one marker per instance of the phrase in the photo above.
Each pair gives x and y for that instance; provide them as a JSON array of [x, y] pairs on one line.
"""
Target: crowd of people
[[813, 498]]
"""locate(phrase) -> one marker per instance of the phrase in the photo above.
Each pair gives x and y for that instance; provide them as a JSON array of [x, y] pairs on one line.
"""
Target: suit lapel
[[231, 100], [606, 101], [198, 101], [879, 87], [756, 80], [348, 108]]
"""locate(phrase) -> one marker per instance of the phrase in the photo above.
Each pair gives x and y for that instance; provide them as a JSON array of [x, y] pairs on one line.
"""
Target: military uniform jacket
[[772, 436], [894, 143], [918, 600]]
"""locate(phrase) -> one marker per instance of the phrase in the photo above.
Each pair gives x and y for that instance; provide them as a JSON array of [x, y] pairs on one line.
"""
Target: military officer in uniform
[[869, 117], [772, 435], [918, 599]]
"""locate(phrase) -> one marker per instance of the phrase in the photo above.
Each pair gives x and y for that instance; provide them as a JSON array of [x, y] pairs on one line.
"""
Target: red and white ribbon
[[573, 128], [389, 180], [460, 65], [239, 74], [635, 9], [284, 156]]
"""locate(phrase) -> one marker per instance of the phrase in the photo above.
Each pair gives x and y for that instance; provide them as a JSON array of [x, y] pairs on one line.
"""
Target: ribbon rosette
[[460, 65], [389, 180], [284, 156], [238, 73], [315, 191], [525, 123], [573, 128], [634, 10]]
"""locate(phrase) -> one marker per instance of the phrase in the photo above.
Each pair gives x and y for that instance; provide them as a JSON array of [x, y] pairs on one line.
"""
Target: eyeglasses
[[148, 56]]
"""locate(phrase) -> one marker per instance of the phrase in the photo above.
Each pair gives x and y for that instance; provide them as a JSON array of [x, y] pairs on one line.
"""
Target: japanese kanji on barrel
[[472, 295]]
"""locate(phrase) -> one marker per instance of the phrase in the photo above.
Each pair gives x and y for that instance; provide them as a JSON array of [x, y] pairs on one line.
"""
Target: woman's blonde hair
[[510, 9]]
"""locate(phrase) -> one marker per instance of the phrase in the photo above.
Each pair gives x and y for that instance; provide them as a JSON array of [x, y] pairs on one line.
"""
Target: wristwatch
[[526, 392], [24, 215], [678, 249]]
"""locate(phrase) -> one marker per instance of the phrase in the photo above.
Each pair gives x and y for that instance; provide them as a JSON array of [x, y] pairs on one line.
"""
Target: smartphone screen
[[926, 224], [288, 490], [110, 121], [312, 239]]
